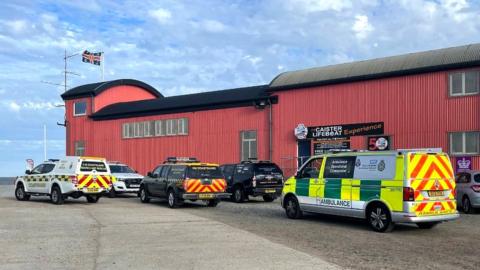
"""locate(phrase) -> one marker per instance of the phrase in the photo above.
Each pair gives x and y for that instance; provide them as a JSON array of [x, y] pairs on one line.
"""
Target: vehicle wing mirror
[[149, 174], [28, 172]]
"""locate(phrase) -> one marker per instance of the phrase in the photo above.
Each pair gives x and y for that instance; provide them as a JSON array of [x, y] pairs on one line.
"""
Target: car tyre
[[427, 225], [268, 198], [379, 218], [238, 194], [56, 196], [212, 203], [20, 193], [292, 208], [143, 194], [93, 198], [467, 206], [112, 193], [172, 199]]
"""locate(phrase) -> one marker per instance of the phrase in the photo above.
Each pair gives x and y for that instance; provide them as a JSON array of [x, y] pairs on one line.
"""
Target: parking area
[[123, 233]]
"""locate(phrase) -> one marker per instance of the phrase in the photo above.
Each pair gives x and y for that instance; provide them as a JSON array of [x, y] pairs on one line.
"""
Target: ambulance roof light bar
[[428, 150]]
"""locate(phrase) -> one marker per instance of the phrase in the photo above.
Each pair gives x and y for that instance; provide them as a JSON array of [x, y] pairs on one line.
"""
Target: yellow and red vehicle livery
[[405, 186]]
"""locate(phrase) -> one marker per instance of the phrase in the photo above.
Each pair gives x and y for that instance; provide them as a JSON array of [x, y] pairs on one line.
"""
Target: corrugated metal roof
[[413, 63]]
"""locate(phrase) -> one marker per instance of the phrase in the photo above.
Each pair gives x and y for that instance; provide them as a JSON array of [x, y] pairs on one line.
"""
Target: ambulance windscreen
[[88, 166]]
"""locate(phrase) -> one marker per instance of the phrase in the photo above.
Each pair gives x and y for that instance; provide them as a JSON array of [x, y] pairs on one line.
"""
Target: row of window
[[169, 127]]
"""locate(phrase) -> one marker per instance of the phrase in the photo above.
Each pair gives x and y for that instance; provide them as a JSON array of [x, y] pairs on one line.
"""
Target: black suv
[[180, 179], [253, 178]]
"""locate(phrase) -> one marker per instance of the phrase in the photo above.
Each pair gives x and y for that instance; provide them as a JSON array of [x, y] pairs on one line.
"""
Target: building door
[[304, 151]]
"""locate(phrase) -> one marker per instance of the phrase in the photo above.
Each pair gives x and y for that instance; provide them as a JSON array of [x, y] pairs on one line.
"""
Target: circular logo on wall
[[381, 143], [301, 132]]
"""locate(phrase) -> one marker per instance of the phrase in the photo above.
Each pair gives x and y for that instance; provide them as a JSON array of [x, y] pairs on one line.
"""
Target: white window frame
[[147, 126], [464, 143], [125, 130], [463, 93], [159, 131], [250, 141], [75, 106], [182, 126], [138, 130], [170, 125]]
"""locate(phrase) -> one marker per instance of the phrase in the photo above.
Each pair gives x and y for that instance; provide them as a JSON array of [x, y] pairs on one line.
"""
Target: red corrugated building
[[420, 100]]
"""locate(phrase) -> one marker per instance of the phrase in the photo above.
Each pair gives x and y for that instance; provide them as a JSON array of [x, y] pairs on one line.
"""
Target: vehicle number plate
[[92, 190], [205, 196], [435, 193], [134, 186], [270, 191]]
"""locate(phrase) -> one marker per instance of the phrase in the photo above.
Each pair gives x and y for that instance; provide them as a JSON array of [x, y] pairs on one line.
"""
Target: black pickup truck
[[253, 178]]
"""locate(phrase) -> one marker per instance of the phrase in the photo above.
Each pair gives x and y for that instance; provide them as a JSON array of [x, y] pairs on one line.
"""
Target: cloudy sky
[[183, 47]]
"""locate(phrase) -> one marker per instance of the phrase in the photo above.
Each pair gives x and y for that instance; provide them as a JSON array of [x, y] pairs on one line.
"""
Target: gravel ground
[[350, 243]]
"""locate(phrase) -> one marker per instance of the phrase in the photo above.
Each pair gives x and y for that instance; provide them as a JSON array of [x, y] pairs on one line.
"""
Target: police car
[[403, 186], [127, 179], [70, 177]]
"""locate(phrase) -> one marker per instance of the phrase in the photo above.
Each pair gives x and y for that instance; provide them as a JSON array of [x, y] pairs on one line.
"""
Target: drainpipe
[[270, 128]]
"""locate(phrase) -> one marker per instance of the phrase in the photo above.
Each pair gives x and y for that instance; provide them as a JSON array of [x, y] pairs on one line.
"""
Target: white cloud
[[253, 59], [213, 26], [16, 25], [12, 105], [319, 5], [457, 9], [163, 16], [361, 26]]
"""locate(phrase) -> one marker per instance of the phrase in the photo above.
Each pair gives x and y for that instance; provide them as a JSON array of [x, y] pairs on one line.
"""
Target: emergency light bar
[[181, 159]]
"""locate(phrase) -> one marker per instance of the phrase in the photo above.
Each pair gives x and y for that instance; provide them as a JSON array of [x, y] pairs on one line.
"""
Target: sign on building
[[340, 131], [320, 146], [463, 164], [378, 143]]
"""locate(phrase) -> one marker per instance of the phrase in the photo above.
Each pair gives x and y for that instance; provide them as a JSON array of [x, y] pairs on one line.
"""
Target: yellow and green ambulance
[[404, 186]]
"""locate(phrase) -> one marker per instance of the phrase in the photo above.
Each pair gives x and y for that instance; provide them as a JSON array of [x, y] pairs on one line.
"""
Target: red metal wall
[[121, 93], [214, 136], [417, 112]]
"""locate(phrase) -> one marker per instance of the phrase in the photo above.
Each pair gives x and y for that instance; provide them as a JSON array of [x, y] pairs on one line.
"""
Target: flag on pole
[[91, 57]]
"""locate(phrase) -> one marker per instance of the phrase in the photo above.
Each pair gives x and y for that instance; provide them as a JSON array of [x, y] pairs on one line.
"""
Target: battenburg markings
[[333, 188], [302, 187], [370, 189]]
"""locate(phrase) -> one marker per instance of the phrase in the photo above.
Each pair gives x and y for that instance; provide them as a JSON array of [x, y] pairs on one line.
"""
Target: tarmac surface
[[123, 233]]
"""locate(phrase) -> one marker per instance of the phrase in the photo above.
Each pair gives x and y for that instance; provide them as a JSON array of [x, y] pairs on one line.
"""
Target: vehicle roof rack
[[53, 159], [181, 160], [428, 150], [255, 161]]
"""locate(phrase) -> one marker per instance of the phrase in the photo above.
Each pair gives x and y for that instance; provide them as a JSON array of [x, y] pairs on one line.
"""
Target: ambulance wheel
[[92, 198], [143, 194], [172, 199], [238, 195], [379, 218], [20, 193], [268, 198], [56, 196], [427, 225], [212, 203], [467, 206], [292, 208]]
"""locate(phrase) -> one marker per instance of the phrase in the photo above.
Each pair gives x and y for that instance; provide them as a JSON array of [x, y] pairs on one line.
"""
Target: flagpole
[[103, 66]]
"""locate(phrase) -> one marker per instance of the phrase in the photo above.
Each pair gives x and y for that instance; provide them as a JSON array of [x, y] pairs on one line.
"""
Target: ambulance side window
[[311, 169], [339, 167]]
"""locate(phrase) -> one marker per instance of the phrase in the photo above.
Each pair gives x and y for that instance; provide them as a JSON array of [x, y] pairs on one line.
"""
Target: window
[[311, 169], [177, 172], [148, 128], [339, 167], [79, 148], [38, 169], [126, 131], [248, 145], [463, 178], [464, 83], [79, 108], [476, 178], [183, 126], [156, 172], [172, 127], [160, 128], [48, 168], [465, 143], [139, 129], [88, 166]]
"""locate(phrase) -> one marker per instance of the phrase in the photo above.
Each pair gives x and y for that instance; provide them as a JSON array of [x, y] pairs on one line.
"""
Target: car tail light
[[254, 181], [74, 179], [476, 188], [408, 194]]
